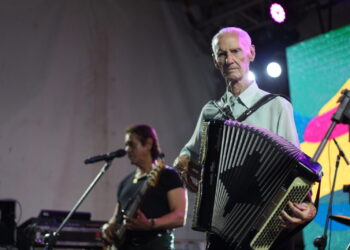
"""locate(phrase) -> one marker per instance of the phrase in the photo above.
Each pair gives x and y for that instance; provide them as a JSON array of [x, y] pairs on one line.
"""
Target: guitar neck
[[133, 206]]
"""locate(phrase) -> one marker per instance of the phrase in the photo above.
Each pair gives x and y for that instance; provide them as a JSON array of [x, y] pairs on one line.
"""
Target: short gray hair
[[232, 30]]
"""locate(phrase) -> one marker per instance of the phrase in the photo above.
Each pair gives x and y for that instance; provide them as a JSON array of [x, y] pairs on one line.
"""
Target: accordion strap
[[256, 105], [228, 115]]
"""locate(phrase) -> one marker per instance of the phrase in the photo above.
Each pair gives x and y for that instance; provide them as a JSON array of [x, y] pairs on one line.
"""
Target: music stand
[[342, 115]]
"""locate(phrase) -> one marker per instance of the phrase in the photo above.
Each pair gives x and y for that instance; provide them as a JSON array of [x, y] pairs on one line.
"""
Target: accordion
[[248, 176]]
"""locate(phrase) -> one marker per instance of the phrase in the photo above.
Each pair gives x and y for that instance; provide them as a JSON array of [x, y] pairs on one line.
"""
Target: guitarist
[[162, 208]]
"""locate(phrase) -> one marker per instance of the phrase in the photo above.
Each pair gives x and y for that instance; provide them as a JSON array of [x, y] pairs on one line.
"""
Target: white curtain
[[73, 76]]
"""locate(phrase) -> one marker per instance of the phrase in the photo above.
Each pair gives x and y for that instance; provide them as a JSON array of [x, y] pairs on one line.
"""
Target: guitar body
[[120, 231], [110, 247]]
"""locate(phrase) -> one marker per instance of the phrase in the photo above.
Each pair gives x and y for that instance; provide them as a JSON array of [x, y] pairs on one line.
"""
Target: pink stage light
[[277, 13]]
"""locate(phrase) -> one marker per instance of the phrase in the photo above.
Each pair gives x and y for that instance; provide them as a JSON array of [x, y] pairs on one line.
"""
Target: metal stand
[[321, 241], [342, 115], [50, 238]]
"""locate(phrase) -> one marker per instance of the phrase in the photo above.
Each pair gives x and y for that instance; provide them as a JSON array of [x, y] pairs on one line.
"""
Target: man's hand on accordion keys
[[190, 172], [297, 214]]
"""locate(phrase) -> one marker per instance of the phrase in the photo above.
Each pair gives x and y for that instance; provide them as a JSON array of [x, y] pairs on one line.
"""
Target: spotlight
[[277, 13], [273, 69]]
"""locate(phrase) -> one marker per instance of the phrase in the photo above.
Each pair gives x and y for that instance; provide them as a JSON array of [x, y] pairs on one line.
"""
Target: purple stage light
[[277, 13]]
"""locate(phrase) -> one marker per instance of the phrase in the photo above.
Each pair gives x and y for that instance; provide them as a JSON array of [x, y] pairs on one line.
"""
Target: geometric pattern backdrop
[[319, 69]]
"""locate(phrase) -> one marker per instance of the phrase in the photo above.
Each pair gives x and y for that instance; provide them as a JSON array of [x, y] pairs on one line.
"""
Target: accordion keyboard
[[270, 227]]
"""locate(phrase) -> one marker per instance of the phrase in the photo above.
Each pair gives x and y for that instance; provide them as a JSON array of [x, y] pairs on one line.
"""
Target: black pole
[[342, 115], [324, 141], [321, 241]]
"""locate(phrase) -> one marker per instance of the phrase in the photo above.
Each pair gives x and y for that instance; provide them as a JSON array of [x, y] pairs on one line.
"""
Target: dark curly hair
[[144, 132]]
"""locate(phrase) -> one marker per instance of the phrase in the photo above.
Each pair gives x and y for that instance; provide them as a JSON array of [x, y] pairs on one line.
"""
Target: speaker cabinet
[[7, 222]]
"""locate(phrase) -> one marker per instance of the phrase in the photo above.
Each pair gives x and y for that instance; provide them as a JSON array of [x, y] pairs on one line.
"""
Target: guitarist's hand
[[108, 232], [190, 172], [138, 223]]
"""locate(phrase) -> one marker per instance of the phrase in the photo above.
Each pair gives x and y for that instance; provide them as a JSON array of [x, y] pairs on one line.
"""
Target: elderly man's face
[[232, 56]]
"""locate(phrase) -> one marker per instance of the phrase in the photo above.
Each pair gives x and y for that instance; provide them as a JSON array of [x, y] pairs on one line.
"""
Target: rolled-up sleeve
[[286, 124]]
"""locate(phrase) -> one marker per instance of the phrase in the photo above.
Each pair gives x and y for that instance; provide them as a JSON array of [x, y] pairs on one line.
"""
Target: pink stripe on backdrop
[[318, 127]]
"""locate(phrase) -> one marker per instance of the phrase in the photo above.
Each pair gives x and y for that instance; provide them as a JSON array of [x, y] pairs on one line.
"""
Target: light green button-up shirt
[[276, 116]]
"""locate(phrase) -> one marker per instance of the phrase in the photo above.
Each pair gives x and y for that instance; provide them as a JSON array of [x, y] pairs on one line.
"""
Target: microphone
[[106, 157], [341, 152]]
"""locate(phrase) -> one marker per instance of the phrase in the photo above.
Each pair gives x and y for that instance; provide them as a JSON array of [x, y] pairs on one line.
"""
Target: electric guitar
[[130, 210]]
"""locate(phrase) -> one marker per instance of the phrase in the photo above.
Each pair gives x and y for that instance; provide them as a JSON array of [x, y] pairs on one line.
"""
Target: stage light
[[251, 76], [277, 13], [273, 69]]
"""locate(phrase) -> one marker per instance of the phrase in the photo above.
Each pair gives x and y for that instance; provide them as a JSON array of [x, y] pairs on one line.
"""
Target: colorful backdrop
[[319, 69]]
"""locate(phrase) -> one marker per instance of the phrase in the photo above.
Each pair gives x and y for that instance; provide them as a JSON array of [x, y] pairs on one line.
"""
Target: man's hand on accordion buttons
[[298, 214], [188, 171]]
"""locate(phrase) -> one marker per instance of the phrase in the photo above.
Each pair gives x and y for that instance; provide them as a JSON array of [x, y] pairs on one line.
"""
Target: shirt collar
[[247, 97]]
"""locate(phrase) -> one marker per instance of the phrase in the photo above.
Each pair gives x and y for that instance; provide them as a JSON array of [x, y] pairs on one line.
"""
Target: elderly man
[[232, 53]]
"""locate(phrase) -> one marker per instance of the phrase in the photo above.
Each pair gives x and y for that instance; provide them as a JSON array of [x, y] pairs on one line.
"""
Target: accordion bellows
[[248, 176]]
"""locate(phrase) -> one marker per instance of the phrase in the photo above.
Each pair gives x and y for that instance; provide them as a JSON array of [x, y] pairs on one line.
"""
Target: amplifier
[[7, 222], [75, 234]]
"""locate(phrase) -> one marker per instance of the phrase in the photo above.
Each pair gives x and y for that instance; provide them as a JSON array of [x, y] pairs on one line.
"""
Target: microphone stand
[[342, 115], [321, 241], [50, 238]]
